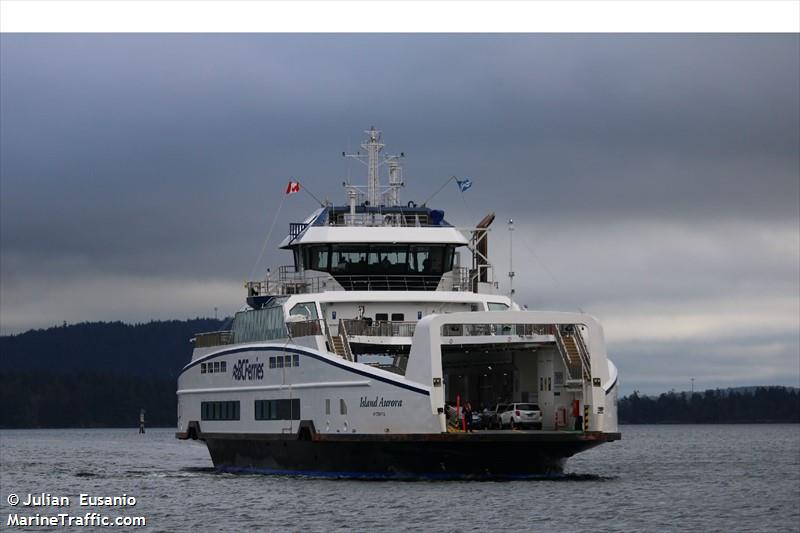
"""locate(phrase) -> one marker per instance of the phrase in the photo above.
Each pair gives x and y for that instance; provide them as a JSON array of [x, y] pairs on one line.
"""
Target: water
[[658, 478]]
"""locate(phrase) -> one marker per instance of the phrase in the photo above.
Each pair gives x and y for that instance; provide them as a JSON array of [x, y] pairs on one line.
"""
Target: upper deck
[[373, 243]]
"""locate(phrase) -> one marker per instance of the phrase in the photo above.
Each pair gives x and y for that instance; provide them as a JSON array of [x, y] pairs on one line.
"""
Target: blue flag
[[464, 184]]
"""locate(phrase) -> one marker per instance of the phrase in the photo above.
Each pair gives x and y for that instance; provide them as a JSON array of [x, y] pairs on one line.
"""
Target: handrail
[[381, 328], [343, 334], [562, 350], [378, 282], [213, 338], [287, 280], [328, 335], [305, 328], [296, 228], [477, 330], [583, 350]]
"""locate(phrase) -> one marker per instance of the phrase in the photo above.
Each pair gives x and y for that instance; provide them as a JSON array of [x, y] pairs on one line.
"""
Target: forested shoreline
[[101, 374], [95, 374], [718, 406]]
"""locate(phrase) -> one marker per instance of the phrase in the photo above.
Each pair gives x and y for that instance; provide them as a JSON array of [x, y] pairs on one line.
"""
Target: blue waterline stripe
[[282, 349]]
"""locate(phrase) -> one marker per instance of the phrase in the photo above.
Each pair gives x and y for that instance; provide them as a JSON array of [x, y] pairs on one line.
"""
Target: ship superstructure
[[358, 357]]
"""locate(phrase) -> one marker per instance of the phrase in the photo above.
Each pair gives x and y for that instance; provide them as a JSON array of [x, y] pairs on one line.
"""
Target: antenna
[[511, 258], [373, 146], [372, 160], [395, 179]]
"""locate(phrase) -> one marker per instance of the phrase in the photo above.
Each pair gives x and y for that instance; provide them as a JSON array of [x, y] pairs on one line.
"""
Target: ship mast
[[373, 146], [375, 195]]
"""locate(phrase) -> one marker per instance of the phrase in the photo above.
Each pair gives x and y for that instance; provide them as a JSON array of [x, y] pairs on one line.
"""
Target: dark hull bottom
[[479, 455]]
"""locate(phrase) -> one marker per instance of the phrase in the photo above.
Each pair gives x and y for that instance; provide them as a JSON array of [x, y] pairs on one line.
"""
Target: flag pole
[[451, 178], [266, 240], [305, 188]]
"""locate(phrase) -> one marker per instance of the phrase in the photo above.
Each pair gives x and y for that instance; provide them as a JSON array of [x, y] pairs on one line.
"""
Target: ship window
[[317, 258], [216, 366], [223, 366], [259, 325], [306, 309], [272, 362], [287, 361], [277, 409], [328, 406], [398, 317], [219, 410], [296, 360], [349, 260], [388, 260], [494, 306], [381, 317], [428, 260], [280, 361], [342, 407], [202, 368]]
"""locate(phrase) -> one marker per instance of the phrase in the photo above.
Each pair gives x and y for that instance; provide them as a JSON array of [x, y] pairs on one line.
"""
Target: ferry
[[360, 357]]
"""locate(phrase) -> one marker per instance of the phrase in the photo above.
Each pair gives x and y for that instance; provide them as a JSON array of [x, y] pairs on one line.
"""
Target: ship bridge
[[372, 242], [386, 255]]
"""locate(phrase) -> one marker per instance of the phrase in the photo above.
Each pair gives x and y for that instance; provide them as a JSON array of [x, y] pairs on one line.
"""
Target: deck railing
[[306, 328], [288, 280], [213, 338], [477, 330], [379, 328]]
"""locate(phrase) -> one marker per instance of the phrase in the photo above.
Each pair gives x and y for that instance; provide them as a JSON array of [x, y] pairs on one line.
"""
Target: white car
[[519, 415]]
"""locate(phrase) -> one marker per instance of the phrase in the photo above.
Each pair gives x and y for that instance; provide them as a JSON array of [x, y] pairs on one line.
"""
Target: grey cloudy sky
[[654, 179]]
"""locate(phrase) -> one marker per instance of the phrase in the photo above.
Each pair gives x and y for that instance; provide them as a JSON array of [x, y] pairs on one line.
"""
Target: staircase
[[338, 346], [339, 343], [573, 356]]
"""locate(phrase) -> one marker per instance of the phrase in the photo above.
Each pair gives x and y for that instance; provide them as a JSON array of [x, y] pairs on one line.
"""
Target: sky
[[654, 180]]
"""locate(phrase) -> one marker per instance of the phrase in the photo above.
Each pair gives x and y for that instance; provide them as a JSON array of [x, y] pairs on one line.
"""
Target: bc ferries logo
[[244, 370], [379, 402]]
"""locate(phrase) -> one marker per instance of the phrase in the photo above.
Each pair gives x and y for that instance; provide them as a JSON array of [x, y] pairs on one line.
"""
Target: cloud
[[654, 179], [43, 303]]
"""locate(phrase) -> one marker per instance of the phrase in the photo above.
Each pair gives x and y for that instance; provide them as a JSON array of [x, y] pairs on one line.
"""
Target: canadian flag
[[293, 187]]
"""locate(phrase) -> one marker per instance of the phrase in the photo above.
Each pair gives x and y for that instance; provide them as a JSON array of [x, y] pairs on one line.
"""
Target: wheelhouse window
[[496, 306], [365, 259], [317, 258], [349, 260], [388, 259]]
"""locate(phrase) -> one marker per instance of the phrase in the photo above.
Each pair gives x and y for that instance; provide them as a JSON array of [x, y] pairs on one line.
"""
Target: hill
[[158, 349], [96, 374], [736, 405]]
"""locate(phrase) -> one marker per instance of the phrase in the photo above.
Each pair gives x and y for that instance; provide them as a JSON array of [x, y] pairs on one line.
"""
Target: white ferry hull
[[361, 357]]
